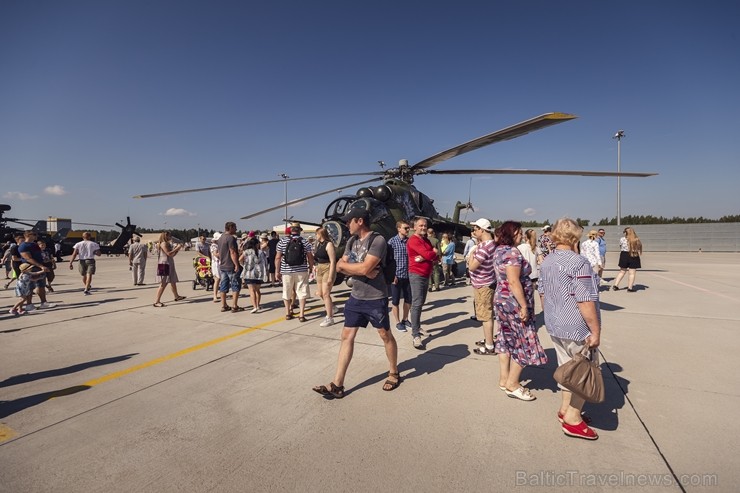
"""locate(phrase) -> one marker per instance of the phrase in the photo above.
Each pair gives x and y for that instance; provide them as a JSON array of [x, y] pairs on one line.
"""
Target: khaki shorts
[[566, 348], [297, 282], [483, 301], [322, 274], [87, 267]]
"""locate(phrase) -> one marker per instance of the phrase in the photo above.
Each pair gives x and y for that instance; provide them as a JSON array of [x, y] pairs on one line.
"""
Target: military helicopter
[[397, 198], [8, 233]]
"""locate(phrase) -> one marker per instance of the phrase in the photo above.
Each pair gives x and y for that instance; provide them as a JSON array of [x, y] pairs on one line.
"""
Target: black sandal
[[333, 392], [390, 384]]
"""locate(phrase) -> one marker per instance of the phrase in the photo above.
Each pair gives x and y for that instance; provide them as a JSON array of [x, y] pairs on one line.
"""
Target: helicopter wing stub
[[239, 185], [295, 201], [538, 172], [507, 133]]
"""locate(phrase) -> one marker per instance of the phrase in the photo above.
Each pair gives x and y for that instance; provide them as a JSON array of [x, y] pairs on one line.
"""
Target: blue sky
[[101, 101]]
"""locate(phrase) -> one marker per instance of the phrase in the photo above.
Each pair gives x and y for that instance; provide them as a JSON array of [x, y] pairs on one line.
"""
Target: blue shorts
[[230, 280], [402, 288], [357, 313]]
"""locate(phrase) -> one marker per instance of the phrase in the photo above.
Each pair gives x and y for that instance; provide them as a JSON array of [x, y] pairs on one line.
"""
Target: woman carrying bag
[[571, 302]]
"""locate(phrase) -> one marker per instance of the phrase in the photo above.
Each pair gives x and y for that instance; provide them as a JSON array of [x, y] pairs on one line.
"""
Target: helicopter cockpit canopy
[[339, 207]]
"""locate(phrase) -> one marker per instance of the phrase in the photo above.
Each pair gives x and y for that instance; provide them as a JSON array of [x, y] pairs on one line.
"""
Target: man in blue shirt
[[30, 253], [401, 284]]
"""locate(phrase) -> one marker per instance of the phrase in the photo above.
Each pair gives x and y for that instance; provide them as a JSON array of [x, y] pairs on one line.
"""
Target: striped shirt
[[282, 247], [484, 275], [401, 255], [567, 279]]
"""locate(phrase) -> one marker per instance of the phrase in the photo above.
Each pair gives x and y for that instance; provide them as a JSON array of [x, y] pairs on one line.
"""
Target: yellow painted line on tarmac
[[6, 433], [192, 349]]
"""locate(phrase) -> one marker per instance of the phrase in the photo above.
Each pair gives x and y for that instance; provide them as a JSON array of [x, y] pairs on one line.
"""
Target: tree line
[[186, 234]]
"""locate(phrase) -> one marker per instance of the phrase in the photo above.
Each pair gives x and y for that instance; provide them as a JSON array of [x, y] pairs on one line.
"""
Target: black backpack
[[387, 265], [295, 253]]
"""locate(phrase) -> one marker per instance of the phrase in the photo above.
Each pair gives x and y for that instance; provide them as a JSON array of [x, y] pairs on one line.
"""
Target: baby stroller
[[203, 274]]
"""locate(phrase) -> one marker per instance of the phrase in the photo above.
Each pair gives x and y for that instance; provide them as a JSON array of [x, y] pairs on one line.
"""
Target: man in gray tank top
[[368, 302]]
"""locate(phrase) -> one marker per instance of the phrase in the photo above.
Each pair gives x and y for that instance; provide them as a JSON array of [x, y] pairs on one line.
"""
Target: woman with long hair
[[528, 249], [326, 268], [517, 343], [630, 249], [166, 272], [254, 261]]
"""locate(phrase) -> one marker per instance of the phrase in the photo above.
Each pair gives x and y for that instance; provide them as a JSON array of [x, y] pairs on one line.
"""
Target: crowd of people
[[505, 267]]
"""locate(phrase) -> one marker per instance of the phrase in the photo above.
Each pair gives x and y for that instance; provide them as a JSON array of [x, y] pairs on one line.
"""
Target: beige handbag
[[582, 376]]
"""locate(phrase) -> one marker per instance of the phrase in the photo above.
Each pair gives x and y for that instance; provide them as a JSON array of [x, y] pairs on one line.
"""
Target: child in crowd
[[24, 287]]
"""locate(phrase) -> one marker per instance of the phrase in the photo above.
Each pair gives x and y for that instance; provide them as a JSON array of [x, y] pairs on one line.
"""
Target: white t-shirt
[[86, 249]]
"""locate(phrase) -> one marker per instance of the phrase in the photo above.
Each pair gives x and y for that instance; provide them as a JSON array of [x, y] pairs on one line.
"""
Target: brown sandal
[[390, 384], [333, 392]]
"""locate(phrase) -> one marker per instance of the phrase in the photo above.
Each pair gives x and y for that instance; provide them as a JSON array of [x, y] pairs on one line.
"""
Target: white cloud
[[55, 190], [530, 212], [19, 196], [178, 212]]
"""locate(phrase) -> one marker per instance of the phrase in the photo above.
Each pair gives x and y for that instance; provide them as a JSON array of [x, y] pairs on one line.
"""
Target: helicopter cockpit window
[[338, 207], [376, 208]]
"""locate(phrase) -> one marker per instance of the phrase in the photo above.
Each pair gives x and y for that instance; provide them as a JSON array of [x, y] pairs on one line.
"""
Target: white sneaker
[[30, 307], [327, 322], [417, 343], [255, 310], [47, 305]]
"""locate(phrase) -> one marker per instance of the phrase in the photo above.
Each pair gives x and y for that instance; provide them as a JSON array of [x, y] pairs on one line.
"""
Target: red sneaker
[[581, 430]]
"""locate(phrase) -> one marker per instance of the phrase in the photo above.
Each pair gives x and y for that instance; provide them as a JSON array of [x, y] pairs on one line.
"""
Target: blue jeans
[[230, 280], [419, 286]]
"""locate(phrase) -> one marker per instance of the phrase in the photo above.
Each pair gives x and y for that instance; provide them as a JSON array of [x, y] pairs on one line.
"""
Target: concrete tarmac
[[106, 393]]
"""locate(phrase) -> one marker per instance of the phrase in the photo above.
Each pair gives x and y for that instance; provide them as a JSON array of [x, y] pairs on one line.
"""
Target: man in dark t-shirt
[[272, 244], [228, 254], [367, 303]]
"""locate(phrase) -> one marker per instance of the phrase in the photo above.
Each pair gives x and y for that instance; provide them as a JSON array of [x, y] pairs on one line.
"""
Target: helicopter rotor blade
[[295, 201], [238, 185], [536, 172], [507, 133]]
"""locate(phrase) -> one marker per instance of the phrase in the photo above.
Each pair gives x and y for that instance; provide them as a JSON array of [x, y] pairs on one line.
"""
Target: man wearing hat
[[482, 277], [546, 243], [294, 276], [368, 302]]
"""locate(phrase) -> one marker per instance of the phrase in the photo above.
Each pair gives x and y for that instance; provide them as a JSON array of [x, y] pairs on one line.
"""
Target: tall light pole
[[619, 135], [285, 177]]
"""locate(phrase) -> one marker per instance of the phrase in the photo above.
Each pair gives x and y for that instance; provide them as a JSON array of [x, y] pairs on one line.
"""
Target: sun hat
[[546, 227], [216, 236]]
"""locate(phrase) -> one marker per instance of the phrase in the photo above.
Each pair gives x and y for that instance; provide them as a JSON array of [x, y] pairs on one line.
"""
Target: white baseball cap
[[483, 224]]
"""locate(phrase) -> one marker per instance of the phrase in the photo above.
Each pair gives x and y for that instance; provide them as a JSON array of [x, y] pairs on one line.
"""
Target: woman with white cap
[[215, 267]]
